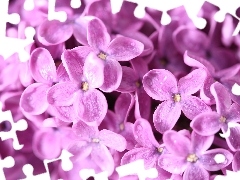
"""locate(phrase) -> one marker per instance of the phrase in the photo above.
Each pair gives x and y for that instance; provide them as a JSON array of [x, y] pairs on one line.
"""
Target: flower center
[[222, 119], [137, 83], [160, 149], [95, 140], [121, 126], [84, 86], [192, 158], [177, 97], [102, 56]]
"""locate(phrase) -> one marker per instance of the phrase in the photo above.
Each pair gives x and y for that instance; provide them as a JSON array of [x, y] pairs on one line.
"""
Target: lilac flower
[[119, 49], [79, 95], [210, 123], [236, 161], [190, 156], [34, 97], [132, 82], [94, 143], [149, 149], [161, 85], [117, 121]]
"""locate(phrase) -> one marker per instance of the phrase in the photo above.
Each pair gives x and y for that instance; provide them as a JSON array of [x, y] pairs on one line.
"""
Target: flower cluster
[[112, 89]]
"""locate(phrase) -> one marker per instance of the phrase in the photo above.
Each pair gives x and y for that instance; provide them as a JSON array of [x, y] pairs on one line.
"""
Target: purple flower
[[78, 96], [148, 148], [119, 49], [42, 67], [161, 85], [92, 142], [236, 161], [210, 123], [190, 156]]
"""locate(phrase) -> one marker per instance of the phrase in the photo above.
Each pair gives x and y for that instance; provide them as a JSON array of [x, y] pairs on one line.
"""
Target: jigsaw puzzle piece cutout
[[66, 164], [137, 168], [20, 125], [161, 5], [7, 162]]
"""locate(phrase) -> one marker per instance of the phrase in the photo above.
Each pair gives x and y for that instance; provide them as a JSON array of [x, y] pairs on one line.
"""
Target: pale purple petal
[[143, 133], [166, 116], [160, 84], [124, 49], [112, 76], [73, 61], [234, 141], [62, 75], [177, 144], [144, 101], [194, 172], [62, 94], [46, 144], [102, 157], [54, 32], [140, 66], [93, 71], [80, 150], [65, 113], [173, 164], [34, 99], [222, 97], [191, 40], [201, 143], [206, 124], [233, 113], [236, 161], [85, 132], [42, 66], [91, 106], [80, 30], [123, 105], [140, 153], [97, 34], [112, 140], [192, 106], [208, 159], [192, 82], [129, 80]]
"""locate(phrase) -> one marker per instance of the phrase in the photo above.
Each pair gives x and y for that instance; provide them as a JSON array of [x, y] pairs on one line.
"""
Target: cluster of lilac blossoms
[[112, 89]]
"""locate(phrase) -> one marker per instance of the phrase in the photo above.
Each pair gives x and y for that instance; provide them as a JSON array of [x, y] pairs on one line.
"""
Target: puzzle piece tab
[[20, 125], [66, 164], [7, 162]]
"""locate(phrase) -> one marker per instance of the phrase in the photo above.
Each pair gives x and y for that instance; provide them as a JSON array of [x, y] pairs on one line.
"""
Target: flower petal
[[73, 61], [54, 32], [34, 99], [233, 141], [192, 106], [85, 132], [62, 75], [102, 157], [46, 144], [42, 66], [160, 84], [195, 171], [200, 143], [124, 49], [129, 80], [176, 143], [236, 161], [143, 133], [112, 76], [140, 66], [144, 101], [222, 97], [62, 94], [206, 124], [112, 140], [166, 115], [173, 164], [65, 113], [140, 153], [91, 106], [80, 150], [210, 161], [97, 34], [192, 82], [93, 71]]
